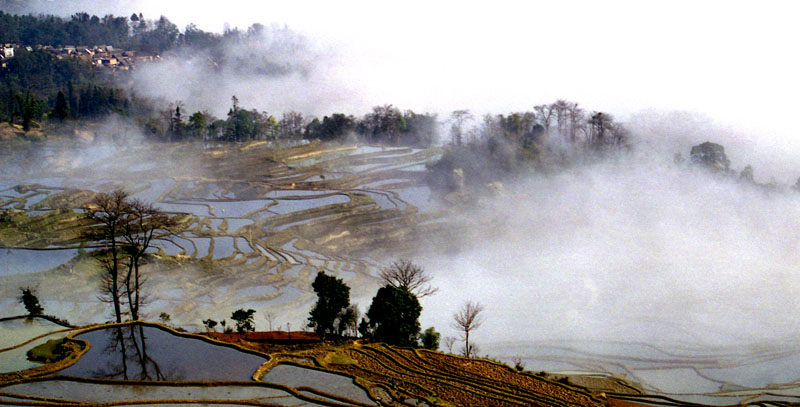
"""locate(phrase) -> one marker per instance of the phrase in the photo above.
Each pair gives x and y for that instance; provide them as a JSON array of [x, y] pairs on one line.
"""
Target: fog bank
[[275, 70], [635, 249]]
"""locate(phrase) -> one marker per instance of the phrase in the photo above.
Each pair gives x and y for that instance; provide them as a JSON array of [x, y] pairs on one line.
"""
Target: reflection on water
[[121, 353], [140, 352]]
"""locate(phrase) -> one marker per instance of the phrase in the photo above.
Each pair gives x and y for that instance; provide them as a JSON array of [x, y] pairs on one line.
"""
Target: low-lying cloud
[[635, 249], [275, 70]]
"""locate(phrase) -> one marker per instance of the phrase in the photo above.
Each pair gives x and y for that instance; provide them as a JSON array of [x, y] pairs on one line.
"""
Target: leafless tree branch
[[407, 275], [467, 319]]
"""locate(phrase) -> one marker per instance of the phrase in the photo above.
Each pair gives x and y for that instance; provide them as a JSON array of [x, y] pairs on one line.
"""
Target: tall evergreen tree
[[29, 108], [61, 110], [333, 298]]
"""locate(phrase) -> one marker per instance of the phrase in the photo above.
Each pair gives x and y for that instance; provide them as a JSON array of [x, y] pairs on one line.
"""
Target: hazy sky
[[734, 61]]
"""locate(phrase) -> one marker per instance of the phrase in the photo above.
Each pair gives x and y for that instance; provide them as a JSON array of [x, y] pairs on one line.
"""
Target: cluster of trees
[[81, 29], [34, 85], [124, 229], [133, 33], [244, 318], [505, 144], [393, 316], [332, 314], [711, 157], [385, 124], [24, 109], [561, 119], [251, 51], [173, 124]]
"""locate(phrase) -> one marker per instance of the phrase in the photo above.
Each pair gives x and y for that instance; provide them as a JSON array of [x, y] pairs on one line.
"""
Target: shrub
[[30, 301], [48, 352], [244, 320], [429, 339]]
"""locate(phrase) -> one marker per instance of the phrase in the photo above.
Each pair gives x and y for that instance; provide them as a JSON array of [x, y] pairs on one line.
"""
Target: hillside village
[[100, 56]]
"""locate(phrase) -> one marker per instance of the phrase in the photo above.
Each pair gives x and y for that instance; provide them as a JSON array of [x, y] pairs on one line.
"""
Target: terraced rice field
[[431, 378], [257, 223], [132, 364], [145, 364], [129, 364], [252, 215]]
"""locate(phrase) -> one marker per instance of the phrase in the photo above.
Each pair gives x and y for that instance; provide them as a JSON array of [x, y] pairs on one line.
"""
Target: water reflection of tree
[[127, 357]]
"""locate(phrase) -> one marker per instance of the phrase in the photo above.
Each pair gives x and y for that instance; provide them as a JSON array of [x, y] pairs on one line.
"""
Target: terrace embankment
[[411, 376]]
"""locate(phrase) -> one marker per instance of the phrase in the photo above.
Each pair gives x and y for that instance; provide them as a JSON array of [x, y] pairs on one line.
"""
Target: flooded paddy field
[[141, 352], [252, 215], [299, 377], [148, 363], [685, 374], [99, 393]]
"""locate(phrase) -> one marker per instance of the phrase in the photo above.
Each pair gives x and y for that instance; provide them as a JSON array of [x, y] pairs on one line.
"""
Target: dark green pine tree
[[29, 108], [61, 109], [72, 99]]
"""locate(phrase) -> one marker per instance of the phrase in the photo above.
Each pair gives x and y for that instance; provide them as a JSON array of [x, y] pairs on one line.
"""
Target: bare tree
[[561, 108], [449, 341], [292, 125], [600, 125], [470, 350], [459, 117], [467, 319], [108, 213], [143, 224], [125, 229], [407, 275], [270, 317], [384, 123], [491, 128], [620, 134], [348, 321], [575, 121], [544, 114]]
